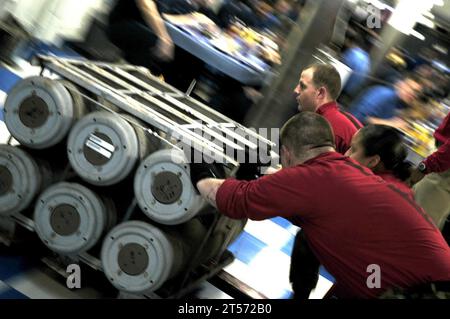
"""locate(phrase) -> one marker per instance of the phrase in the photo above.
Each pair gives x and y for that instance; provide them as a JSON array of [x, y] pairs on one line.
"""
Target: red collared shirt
[[391, 178], [344, 125], [439, 161], [352, 219]]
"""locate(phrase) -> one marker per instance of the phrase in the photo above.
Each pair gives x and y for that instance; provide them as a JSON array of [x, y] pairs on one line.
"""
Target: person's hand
[[199, 171], [164, 49], [272, 170], [415, 177]]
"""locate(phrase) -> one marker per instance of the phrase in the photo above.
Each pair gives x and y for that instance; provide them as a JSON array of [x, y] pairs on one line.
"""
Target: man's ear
[[373, 161], [322, 92], [286, 154]]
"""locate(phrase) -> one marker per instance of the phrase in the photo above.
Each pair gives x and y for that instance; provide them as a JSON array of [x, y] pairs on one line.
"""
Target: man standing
[[317, 91], [354, 220]]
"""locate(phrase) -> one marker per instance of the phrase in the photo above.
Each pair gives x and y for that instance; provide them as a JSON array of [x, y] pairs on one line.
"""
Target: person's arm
[[267, 197], [165, 46], [208, 188], [396, 122], [437, 162]]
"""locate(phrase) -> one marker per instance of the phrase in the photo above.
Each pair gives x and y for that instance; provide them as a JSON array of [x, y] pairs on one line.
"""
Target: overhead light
[[429, 15], [425, 21], [380, 5], [407, 13], [418, 35]]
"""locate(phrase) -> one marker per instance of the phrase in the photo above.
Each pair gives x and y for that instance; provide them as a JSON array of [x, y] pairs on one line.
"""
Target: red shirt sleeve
[[273, 195], [439, 161]]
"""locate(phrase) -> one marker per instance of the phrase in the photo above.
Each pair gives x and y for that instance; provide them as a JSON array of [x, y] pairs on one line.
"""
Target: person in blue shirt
[[357, 58], [380, 104]]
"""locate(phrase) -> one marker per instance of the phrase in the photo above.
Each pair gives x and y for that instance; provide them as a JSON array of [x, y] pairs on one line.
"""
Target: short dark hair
[[388, 143], [306, 130], [326, 75]]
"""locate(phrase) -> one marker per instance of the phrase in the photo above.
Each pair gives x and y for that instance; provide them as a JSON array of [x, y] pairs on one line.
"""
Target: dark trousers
[[304, 271], [137, 42]]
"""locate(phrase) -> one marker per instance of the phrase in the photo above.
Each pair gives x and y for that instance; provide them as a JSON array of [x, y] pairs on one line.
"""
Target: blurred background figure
[[356, 56], [392, 67], [136, 27], [233, 9], [381, 104]]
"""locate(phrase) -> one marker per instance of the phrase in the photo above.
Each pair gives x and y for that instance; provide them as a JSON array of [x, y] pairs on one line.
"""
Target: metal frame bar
[[171, 98], [168, 96], [90, 83], [151, 99]]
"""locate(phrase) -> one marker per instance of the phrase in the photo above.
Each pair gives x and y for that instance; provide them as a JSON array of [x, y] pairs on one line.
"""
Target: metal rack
[[135, 91], [176, 119]]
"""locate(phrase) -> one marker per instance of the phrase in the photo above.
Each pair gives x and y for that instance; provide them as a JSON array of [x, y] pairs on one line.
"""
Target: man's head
[[319, 84], [408, 89], [303, 137]]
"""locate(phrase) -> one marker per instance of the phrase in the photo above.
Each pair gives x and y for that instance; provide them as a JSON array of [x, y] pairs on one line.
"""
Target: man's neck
[[323, 103], [312, 153]]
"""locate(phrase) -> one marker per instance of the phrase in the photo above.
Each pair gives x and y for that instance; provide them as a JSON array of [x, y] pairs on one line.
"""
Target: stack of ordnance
[[101, 173]]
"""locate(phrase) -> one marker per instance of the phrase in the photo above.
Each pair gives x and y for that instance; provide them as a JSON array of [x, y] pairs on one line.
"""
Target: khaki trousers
[[433, 194]]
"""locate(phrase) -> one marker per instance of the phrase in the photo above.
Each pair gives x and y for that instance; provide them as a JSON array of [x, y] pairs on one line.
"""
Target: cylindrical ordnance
[[70, 218], [20, 179], [25, 172], [139, 258], [163, 188], [103, 148], [79, 102], [39, 112]]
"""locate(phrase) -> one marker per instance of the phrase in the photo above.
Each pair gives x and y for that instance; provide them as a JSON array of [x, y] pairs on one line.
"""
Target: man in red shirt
[[358, 225], [433, 192], [317, 91]]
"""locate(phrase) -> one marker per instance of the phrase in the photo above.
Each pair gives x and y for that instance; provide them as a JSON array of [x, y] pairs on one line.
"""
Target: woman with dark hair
[[381, 148]]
